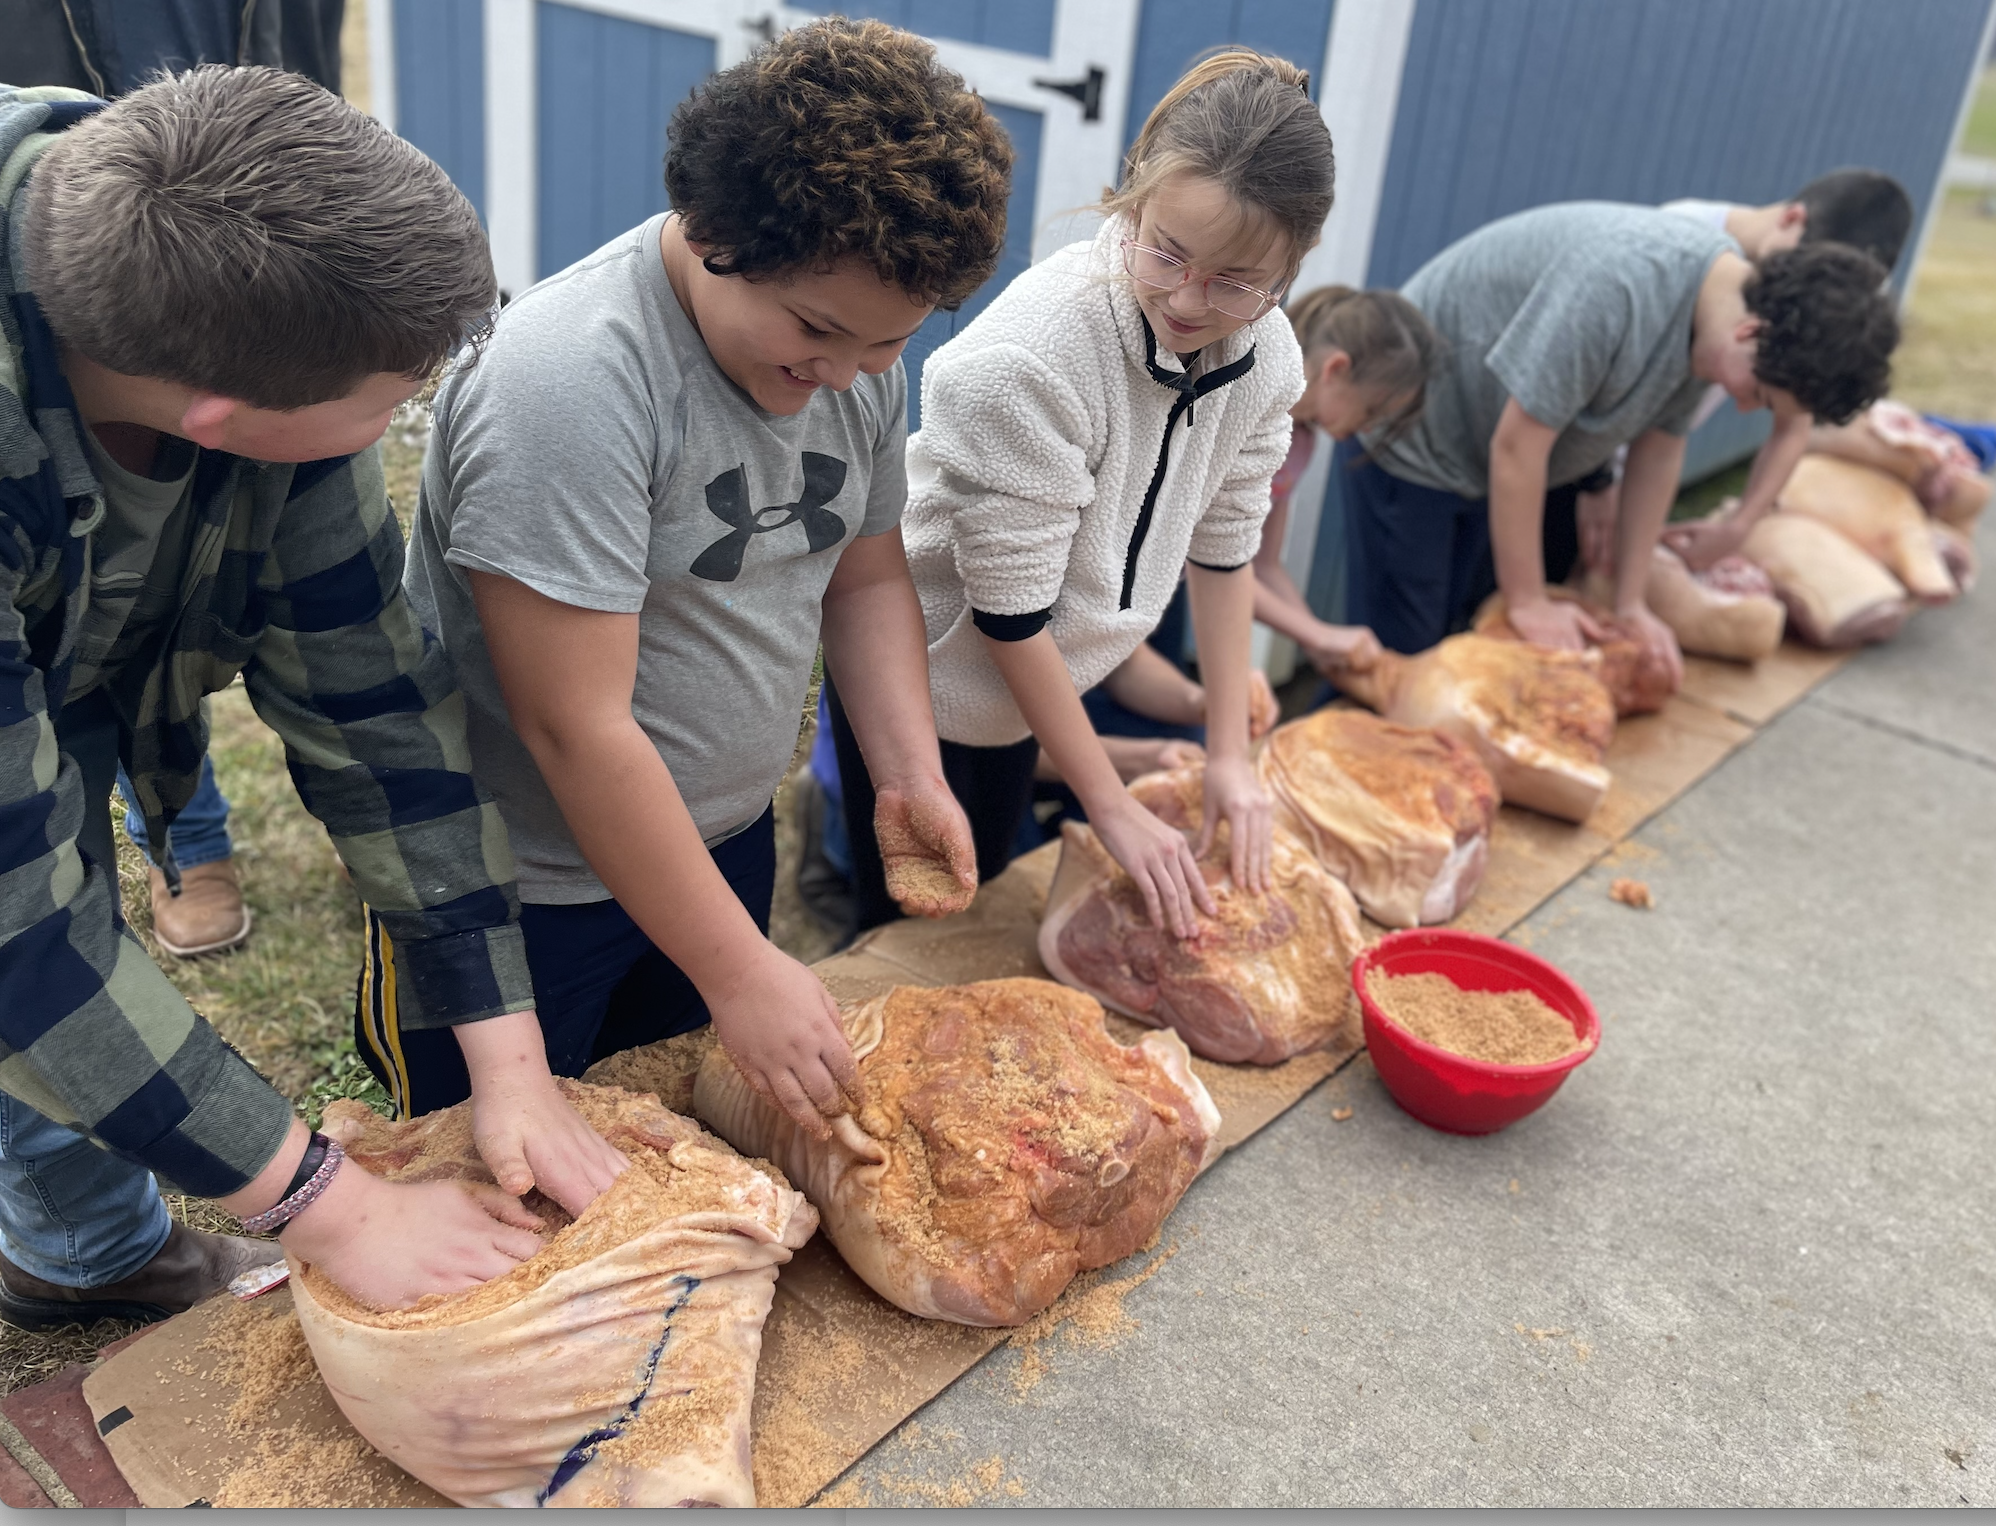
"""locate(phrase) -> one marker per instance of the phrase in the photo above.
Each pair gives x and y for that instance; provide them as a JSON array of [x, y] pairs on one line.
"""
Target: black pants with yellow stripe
[[600, 986]]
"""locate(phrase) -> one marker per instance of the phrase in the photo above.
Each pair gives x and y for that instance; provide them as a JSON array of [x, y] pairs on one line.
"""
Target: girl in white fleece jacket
[[1112, 419]]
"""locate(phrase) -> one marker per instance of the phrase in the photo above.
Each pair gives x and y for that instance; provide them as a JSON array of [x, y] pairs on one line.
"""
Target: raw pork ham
[[1637, 680], [1878, 514], [616, 1367], [1930, 460], [1539, 720], [1401, 815], [1266, 979], [1006, 1143], [1836, 595], [1727, 610]]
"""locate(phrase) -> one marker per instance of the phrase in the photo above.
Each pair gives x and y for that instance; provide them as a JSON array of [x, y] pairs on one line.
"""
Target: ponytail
[[1393, 347]]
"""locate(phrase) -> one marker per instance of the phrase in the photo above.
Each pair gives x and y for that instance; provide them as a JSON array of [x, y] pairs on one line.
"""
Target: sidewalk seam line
[[1907, 734], [37, 1466]]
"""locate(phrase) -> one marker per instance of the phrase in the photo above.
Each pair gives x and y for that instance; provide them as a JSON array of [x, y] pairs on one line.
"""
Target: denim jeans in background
[[71, 1213], [199, 834]]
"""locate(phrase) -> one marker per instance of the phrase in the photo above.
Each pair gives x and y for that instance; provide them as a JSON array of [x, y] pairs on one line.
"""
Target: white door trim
[[512, 88], [1360, 96], [381, 61]]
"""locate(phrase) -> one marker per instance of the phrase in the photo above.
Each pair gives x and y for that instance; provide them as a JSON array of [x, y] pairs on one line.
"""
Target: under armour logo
[[728, 501]]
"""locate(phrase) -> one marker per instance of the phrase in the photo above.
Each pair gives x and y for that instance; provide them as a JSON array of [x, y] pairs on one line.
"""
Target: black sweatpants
[[994, 785]]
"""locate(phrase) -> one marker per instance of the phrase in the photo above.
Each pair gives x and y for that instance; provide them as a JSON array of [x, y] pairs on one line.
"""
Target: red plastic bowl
[[1450, 1091]]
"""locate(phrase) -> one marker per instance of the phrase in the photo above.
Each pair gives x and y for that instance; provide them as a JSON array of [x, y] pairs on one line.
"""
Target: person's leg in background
[[85, 1233], [1412, 552], [208, 915]]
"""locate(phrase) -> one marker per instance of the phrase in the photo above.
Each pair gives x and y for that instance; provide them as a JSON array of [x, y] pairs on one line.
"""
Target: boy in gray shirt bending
[[1573, 330], [674, 469]]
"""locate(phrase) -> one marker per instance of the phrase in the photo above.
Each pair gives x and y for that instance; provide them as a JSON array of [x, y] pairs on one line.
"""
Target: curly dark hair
[[843, 140], [1828, 329]]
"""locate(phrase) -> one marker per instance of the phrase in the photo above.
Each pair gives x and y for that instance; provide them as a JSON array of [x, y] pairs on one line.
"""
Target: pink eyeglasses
[[1162, 272]]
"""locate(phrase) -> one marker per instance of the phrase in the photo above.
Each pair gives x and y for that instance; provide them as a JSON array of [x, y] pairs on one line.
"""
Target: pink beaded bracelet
[[272, 1219]]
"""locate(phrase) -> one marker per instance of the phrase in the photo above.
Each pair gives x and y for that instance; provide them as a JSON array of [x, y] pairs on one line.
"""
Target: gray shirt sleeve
[[552, 454], [887, 492]]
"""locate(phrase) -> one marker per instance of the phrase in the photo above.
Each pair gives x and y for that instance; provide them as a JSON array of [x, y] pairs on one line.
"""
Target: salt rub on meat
[[616, 1367], [1007, 1142], [1265, 979]]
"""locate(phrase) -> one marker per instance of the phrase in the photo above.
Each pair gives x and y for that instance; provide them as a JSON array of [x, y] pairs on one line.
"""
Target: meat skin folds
[[1266, 979], [1539, 720], [615, 1367], [1007, 1143], [1401, 815]]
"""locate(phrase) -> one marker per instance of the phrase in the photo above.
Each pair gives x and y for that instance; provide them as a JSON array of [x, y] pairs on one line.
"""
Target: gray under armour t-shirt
[[1582, 312], [595, 452]]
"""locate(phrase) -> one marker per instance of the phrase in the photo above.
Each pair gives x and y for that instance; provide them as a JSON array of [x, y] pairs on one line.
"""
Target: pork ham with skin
[[1877, 513], [1638, 680], [1836, 595], [1265, 979], [1400, 814], [1727, 610], [1539, 720], [614, 1367], [1006, 1143]]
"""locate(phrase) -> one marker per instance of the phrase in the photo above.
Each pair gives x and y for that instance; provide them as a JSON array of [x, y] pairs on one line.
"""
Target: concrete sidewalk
[[1746, 1256]]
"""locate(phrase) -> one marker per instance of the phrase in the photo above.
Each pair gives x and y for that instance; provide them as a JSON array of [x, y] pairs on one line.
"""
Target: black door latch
[[1087, 91]]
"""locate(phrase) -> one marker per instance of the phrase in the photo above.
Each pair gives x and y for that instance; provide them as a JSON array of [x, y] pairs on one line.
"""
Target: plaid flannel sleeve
[[91, 1033], [374, 732]]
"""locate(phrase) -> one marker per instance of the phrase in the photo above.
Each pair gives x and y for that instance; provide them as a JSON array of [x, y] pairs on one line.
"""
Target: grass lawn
[[1978, 136]]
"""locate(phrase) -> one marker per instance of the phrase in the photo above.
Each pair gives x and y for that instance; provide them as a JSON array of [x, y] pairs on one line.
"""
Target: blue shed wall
[[1508, 104], [607, 92], [1171, 33], [440, 87], [1023, 26]]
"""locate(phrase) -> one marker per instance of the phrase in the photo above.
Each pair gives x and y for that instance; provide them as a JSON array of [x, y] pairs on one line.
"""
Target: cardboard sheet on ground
[[841, 1368]]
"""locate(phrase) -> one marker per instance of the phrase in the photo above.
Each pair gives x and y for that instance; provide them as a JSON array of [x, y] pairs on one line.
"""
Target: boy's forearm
[[1772, 465], [1151, 684], [1037, 676], [1222, 625], [498, 1046], [626, 814], [1519, 451], [1649, 487], [876, 651]]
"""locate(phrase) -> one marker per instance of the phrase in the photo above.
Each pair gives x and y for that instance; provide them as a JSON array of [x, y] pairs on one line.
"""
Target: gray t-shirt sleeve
[[552, 452], [1562, 341], [887, 490]]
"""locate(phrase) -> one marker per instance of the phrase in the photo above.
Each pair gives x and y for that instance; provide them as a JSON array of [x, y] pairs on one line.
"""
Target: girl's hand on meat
[[1345, 649], [925, 846], [1263, 708], [1235, 796], [781, 1027], [392, 1243], [1160, 860]]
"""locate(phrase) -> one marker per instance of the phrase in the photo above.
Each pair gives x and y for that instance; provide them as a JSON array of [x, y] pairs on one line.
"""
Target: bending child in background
[[1115, 414], [632, 570], [1366, 359], [1863, 209], [1574, 330]]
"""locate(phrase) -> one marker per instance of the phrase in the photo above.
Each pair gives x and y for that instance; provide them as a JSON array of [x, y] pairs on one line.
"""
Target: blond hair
[[1393, 347], [1244, 120]]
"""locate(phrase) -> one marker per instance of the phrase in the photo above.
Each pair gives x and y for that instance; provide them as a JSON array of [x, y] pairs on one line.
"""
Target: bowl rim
[[1547, 1069]]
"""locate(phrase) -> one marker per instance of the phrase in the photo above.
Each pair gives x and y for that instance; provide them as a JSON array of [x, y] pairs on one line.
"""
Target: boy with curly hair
[[1571, 331], [674, 470]]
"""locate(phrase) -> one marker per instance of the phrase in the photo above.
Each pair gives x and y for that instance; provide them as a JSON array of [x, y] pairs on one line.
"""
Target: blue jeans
[[199, 834], [71, 1213]]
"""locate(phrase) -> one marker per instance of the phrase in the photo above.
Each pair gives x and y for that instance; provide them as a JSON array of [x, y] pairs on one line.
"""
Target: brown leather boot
[[191, 1266], [206, 917]]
